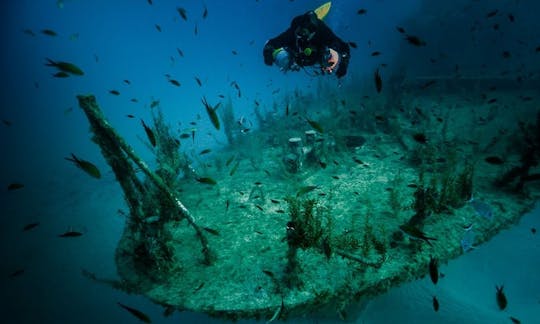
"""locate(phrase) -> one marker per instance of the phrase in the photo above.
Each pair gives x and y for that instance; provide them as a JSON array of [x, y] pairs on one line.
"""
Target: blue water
[[117, 40]]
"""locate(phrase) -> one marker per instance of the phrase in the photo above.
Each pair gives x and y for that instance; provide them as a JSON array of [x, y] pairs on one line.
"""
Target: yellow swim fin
[[323, 10]]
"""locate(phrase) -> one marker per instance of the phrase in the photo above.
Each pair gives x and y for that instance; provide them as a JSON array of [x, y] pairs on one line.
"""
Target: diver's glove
[[331, 61], [282, 59]]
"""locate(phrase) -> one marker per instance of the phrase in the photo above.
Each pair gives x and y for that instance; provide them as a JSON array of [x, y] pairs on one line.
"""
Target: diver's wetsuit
[[321, 38]]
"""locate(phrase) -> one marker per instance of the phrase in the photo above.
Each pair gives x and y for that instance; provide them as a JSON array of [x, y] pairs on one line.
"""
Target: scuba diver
[[307, 42]]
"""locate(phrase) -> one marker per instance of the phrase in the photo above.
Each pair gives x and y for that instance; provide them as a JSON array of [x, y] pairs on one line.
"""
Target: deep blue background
[[123, 38]]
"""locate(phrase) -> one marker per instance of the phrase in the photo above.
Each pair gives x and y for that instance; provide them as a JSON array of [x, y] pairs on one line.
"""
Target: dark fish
[[70, 233], [196, 30], [506, 54], [154, 103], [259, 207], [198, 81], [434, 270], [130, 116], [234, 168], [376, 53], [400, 29], [29, 32], [415, 233], [205, 12], [327, 248], [492, 13], [353, 44], [180, 53], [61, 74], [6, 122], [492, 101], [304, 190], [378, 80], [511, 18], [234, 52], [137, 313], [537, 49], [30, 226], [174, 82], [86, 166], [65, 66], [205, 151], [114, 92], [211, 230], [515, 320], [150, 2], [362, 11], [533, 230], [134, 100], [184, 136], [127, 82], [16, 273], [494, 160], [206, 180], [435, 304], [315, 125], [415, 40], [501, 297], [158, 27], [211, 111], [149, 133], [420, 138], [15, 186], [49, 32], [182, 12]]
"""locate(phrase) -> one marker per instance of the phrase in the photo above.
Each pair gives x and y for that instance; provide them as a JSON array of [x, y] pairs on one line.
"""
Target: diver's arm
[[341, 47], [283, 40]]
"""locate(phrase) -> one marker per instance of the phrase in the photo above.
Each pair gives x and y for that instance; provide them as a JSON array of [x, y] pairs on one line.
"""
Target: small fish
[[229, 160], [234, 168], [280, 211], [435, 304], [501, 297], [491, 101], [420, 138], [65, 66], [29, 32], [114, 92], [415, 40], [150, 2], [506, 54], [259, 207], [61, 74], [315, 125], [400, 29], [174, 82], [86, 166], [130, 116], [227, 205], [361, 11], [127, 82], [533, 230], [376, 53], [49, 32], [196, 30], [134, 100], [184, 136], [15, 186], [205, 12], [7, 122], [515, 320], [182, 12], [198, 81], [378, 80], [206, 180], [180, 53], [304, 190], [30, 226], [353, 44], [494, 160], [154, 103], [211, 231], [205, 151], [415, 233], [70, 233], [135, 312], [492, 13], [234, 52], [211, 111], [16, 273], [149, 134], [434, 270], [158, 27]]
